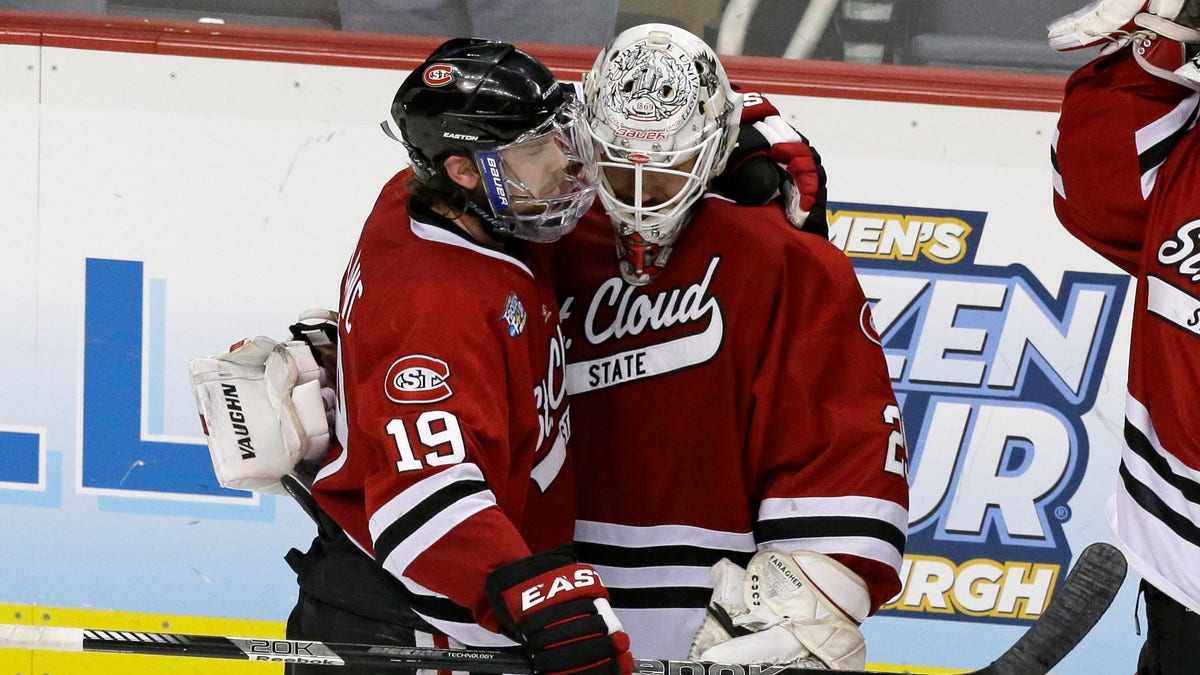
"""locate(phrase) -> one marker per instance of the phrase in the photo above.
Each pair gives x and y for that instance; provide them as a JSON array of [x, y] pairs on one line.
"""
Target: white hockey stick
[[1076, 606]]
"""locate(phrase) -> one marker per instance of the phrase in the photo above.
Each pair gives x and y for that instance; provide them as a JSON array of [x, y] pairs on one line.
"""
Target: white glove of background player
[[799, 609], [1109, 21]]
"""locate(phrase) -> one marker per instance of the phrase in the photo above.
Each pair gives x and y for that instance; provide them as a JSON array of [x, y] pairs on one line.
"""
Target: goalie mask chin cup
[[661, 112], [491, 102]]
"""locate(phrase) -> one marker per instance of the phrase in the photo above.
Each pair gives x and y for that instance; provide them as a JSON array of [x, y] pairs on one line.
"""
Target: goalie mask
[[664, 119], [493, 103]]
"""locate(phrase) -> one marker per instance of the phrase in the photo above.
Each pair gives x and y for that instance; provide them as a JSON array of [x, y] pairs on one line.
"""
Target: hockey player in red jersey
[[451, 471], [1127, 184], [726, 382]]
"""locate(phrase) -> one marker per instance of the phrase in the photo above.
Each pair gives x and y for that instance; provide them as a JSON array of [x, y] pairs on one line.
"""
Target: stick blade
[[1074, 609]]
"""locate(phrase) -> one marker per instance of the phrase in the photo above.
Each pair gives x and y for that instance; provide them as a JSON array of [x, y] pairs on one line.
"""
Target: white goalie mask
[[664, 119]]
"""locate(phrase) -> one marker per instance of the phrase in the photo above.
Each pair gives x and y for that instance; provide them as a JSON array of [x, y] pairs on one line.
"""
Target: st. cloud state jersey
[[740, 400], [1127, 184], [451, 456]]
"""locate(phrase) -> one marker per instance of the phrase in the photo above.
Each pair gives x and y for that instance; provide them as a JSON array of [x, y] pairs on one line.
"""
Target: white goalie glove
[[798, 609], [1108, 21], [264, 407]]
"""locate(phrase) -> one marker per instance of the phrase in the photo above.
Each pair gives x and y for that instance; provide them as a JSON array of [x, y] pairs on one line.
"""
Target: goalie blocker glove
[[799, 609], [558, 610], [263, 411]]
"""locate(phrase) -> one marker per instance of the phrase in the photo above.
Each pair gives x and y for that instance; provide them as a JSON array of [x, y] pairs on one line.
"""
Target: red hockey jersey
[[738, 401], [451, 457], [1127, 184]]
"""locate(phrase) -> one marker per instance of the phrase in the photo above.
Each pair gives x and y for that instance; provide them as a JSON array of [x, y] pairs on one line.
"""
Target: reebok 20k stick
[[1075, 607]]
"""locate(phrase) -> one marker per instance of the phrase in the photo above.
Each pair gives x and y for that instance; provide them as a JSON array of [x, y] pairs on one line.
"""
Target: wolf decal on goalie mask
[[418, 378]]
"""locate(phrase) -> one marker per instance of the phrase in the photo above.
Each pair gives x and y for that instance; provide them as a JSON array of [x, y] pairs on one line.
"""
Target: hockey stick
[[1077, 605]]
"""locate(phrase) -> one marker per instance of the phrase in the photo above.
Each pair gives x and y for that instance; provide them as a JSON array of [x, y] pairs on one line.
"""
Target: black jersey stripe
[[808, 527], [662, 597], [403, 527], [1149, 500], [1141, 446], [663, 556], [1153, 156]]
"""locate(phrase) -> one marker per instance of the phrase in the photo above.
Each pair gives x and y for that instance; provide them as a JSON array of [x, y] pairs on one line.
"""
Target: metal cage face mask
[[540, 185]]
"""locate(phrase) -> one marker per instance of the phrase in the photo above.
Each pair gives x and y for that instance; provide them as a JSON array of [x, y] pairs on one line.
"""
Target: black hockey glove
[[558, 610]]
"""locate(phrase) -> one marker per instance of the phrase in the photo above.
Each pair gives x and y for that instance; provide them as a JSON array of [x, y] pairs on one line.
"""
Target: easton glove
[[558, 610]]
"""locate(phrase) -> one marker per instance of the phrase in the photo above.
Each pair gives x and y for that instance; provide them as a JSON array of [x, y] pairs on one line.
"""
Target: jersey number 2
[[437, 431]]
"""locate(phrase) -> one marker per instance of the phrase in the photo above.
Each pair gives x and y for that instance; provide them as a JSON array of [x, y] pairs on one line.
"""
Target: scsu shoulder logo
[[418, 378]]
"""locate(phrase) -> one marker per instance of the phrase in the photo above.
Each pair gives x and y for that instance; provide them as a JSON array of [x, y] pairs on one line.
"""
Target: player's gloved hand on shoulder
[[774, 161], [558, 610], [799, 609]]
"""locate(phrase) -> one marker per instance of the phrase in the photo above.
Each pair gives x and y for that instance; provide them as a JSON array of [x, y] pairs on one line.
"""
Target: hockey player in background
[[1127, 184], [726, 384], [451, 469]]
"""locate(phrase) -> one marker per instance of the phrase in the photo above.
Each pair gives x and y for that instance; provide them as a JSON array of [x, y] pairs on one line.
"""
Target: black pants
[[312, 619], [1172, 636], [346, 597]]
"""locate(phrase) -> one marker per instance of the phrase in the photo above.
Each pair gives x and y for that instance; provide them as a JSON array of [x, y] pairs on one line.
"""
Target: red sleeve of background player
[[1118, 124], [827, 446]]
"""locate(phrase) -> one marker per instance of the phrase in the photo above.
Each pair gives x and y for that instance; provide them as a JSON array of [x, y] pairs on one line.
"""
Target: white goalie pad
[[263, 412]]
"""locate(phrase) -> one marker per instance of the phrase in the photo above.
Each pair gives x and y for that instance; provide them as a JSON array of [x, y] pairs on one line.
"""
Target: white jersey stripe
[[1154, 551], [863, 547], [1160, 130], [860, 507], [432, 530], [436, 234], [404, 502], [655, 577], [661, 535]]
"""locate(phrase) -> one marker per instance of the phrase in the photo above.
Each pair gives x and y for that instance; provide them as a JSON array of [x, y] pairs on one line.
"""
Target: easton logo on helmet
[[438, 75]]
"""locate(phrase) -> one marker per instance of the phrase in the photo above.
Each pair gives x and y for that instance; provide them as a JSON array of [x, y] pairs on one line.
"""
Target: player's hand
[[774, 161], [558, 610]]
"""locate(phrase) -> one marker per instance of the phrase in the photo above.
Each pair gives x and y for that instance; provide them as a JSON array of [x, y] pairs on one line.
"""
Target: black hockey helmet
[[478, 98], [472, 94]]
